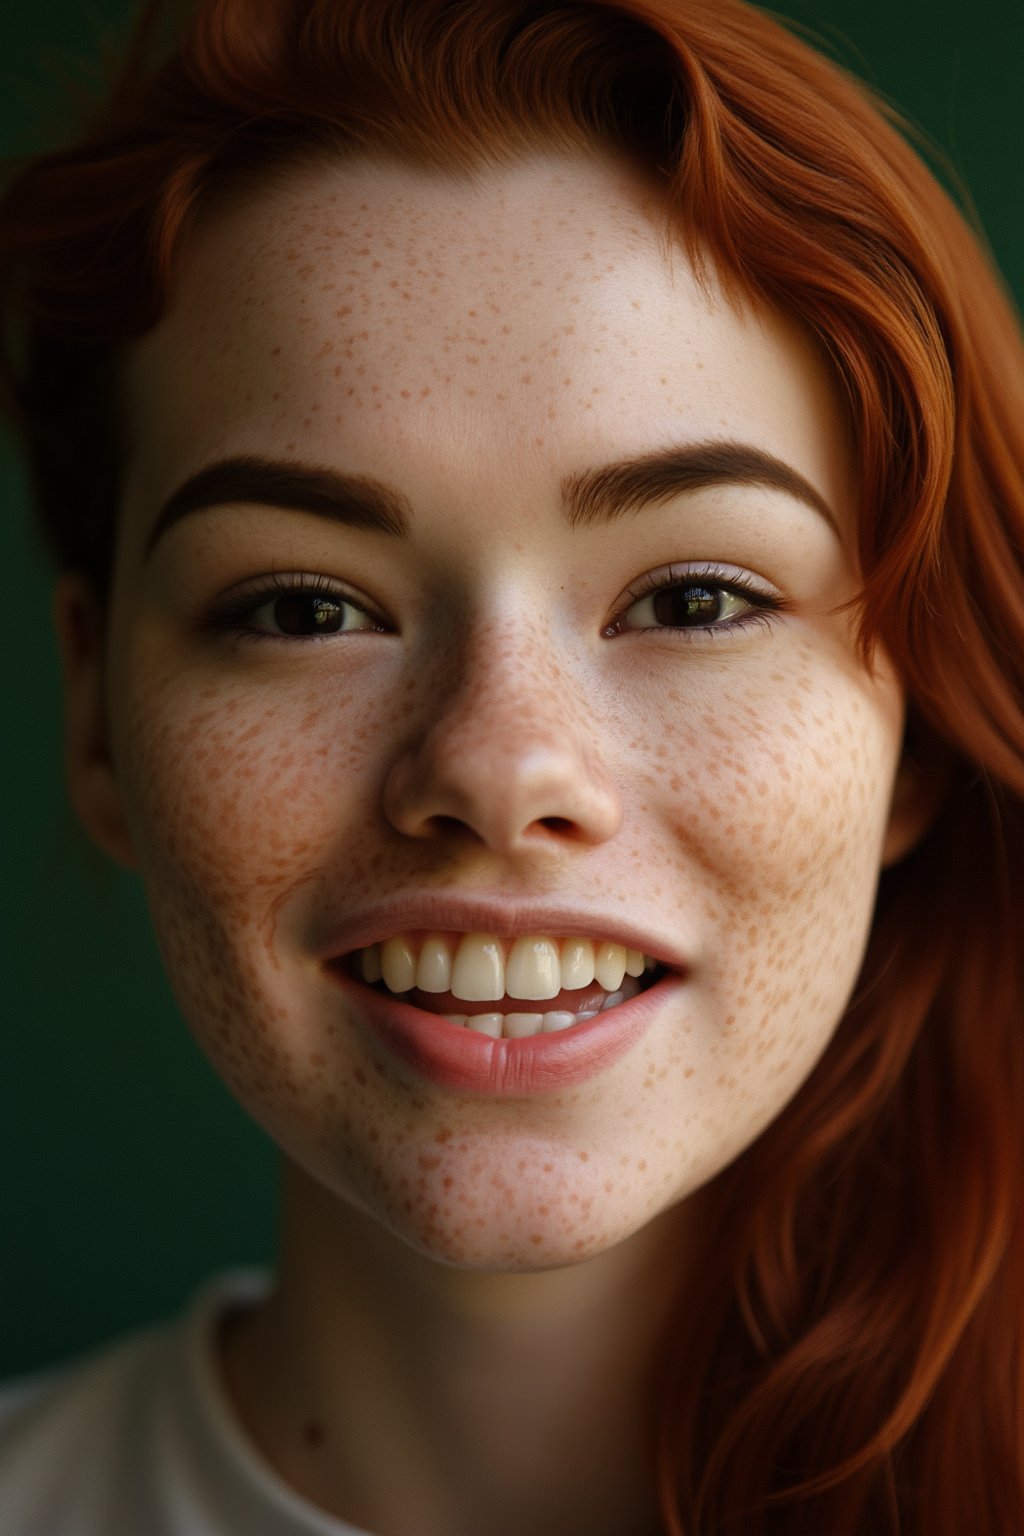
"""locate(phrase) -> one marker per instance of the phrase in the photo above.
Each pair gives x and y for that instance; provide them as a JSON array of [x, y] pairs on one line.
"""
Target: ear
[[88, 764], [922, 783]]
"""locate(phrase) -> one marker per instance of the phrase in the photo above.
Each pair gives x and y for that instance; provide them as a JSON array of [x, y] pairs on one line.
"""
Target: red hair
[[857, 1361]]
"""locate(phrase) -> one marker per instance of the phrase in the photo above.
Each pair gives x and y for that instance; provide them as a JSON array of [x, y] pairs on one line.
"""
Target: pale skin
[[471, 1290]]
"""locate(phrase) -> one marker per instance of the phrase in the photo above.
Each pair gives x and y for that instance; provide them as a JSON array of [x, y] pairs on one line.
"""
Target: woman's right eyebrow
[[355, 500]]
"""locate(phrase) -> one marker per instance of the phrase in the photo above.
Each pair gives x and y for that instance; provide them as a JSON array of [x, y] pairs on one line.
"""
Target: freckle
[[313, 1433], [548, 1167], [275, 352], [584, 1157], [360, 1077]]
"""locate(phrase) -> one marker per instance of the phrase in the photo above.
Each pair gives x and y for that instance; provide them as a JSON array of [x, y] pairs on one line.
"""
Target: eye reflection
[[695, 603], [299, 614], [303, 613]]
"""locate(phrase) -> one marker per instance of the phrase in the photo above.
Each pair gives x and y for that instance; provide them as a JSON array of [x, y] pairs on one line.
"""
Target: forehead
[[358, 310]]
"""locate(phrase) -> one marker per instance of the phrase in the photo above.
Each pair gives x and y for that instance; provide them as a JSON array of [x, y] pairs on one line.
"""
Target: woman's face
[[562, 704]]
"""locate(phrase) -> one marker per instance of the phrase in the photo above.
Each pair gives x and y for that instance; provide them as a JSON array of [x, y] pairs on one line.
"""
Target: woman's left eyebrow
[[601, 495]]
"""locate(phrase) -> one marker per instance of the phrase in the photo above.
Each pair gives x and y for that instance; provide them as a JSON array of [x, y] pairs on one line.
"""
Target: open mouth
[[505, 988]]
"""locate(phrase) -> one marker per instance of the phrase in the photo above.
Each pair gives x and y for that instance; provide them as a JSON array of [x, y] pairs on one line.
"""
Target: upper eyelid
[[251, 595], [711, 571]]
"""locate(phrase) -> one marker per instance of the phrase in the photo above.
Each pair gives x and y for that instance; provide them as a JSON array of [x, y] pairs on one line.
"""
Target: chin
[[537, 1224]]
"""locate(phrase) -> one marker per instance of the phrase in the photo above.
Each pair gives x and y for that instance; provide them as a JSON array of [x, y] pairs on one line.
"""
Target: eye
[[701, 600], [292, 607]]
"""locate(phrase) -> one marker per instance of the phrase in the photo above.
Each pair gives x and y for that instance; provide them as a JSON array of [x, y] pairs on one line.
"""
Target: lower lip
[[453, 1057]]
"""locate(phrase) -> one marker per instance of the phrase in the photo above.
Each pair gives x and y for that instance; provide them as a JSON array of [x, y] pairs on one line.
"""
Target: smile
[[480, 982]]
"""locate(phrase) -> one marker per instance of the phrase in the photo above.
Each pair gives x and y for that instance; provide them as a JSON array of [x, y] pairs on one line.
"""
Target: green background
[[127, 1173]]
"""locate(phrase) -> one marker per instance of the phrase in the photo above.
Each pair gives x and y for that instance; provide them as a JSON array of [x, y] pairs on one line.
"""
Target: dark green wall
[[126, 1172]]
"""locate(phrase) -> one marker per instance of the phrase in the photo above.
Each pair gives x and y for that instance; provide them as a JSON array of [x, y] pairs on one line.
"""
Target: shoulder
[[100, 1446], [64, 1432]]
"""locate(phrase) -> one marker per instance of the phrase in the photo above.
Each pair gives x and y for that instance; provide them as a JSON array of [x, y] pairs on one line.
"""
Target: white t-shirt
[[140, 1439]]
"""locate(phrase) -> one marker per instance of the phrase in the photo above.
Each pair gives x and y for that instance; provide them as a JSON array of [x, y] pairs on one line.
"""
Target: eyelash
[[718, 578], [229, 615]]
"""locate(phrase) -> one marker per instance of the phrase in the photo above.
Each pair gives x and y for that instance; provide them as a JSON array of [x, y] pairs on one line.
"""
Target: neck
[[510, 1401]]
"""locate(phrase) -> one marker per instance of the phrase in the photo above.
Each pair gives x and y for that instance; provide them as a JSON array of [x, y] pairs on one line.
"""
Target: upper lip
[[439, 912]]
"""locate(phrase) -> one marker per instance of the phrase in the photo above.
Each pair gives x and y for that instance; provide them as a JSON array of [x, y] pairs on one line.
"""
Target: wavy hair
[[857, 1363]]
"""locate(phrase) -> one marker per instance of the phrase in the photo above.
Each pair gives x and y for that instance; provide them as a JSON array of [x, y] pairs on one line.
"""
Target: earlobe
[[89, 767]]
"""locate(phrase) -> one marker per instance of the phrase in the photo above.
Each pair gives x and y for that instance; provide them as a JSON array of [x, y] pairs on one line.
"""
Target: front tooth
[[398, 965], [558, 1018], [634, 962], [478, 971], [518, 1026], [610, 966], [434, 967], [455, 1018], [486, 1024], [533, 969], [577, 963]]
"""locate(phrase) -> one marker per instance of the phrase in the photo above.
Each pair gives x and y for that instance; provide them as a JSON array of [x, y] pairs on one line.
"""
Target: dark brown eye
[[305, 613], [680, 606], [695, 604]]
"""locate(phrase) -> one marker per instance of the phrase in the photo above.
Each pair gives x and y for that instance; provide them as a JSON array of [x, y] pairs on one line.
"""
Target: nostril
[[453, 827]]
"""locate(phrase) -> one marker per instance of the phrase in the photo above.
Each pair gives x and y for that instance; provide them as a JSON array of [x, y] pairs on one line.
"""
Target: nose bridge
[[505, 683], [502, 747]]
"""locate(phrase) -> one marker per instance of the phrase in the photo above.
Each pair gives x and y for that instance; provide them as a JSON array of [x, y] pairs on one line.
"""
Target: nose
[[510, 756]]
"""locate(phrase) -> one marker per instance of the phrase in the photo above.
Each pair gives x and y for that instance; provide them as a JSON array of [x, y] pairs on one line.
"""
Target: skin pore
[[471, 1290]]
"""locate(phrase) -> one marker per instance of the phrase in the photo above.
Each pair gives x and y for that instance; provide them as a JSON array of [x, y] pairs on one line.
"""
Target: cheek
[[776, 802], [235, 807]]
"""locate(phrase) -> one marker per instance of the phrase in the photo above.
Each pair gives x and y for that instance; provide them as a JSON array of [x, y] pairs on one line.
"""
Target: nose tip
[[511, 780]]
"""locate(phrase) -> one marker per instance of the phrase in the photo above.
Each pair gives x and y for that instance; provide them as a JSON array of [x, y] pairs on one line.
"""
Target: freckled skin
[[471, 344]]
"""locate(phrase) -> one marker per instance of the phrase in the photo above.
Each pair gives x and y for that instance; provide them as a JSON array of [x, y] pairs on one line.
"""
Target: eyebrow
[[354, 500], [591, 498], [601, 495]]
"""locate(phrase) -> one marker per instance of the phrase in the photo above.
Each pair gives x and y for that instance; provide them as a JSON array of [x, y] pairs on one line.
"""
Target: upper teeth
[[480, 967]]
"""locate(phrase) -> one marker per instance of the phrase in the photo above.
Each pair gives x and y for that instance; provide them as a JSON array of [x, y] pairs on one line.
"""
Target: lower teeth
[[520, 1026]]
